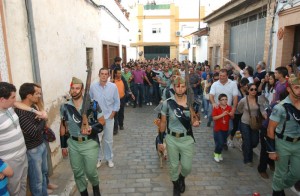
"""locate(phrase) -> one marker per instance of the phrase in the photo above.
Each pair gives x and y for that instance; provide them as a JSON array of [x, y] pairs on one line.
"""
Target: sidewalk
[[63, 177]]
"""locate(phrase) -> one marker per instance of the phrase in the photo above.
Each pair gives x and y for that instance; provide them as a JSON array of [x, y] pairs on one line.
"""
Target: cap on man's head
[[293, 79], [76, 81], [179, 80], [175, 72]]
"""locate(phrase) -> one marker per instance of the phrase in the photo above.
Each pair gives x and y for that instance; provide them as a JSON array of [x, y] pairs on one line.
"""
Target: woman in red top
[[221, 116]]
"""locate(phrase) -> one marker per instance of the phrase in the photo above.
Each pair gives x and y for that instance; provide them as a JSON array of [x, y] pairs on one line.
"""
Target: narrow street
[[137, 170]]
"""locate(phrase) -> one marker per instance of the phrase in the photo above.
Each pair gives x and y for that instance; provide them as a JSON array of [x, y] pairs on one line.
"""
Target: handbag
[[49, 135], [255, 121]]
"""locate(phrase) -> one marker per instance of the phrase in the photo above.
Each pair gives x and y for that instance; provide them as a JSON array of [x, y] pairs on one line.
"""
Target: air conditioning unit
[[178, 33]]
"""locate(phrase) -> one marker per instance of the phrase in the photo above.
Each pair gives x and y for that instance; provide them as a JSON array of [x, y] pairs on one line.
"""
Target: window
[[235, 23], [253, 17], [262, 14], [156, 30], [245, 20]]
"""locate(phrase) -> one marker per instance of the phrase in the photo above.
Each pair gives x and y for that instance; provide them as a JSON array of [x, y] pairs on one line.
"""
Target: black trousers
[[236, 123], [264, 159], [119, 117]]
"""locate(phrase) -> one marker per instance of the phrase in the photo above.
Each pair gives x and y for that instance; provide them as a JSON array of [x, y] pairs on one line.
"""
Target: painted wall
[[3, 63], [163, 24], [64, 29]]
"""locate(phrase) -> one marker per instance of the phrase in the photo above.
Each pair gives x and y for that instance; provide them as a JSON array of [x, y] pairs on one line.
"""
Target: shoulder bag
[[255, 121]]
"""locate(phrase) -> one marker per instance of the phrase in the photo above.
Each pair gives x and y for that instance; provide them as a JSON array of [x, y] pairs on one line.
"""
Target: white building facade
[[61, 33]]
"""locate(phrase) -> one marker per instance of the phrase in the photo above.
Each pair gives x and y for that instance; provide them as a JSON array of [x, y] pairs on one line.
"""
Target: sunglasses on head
[[252, 89]]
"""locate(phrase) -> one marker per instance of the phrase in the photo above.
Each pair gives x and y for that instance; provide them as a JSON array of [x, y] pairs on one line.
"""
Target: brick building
[[240, 31]]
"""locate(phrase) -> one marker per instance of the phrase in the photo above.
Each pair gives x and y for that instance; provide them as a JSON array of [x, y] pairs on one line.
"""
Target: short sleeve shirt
[[292, 128], [222, 124], [71, 120], [230, 89], [138, 76], [4, 181], [174, 124]]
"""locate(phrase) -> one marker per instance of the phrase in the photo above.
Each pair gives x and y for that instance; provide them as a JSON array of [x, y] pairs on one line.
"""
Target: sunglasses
[[252, 89]]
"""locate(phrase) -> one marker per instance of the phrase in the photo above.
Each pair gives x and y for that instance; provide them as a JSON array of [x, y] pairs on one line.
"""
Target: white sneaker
[[230, 143], [99, 164], [147, 104], [216, 157], [205, 116], [220, 157], [150, 103], [111, 164], [202, 110]]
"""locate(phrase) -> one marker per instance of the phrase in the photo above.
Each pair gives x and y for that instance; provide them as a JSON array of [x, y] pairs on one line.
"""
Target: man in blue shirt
[[107, 95]]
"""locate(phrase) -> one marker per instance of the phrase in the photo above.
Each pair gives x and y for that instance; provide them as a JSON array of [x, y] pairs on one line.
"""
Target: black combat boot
[[176, 190], [84, 193], [96, 190], [181, 183], [278, 193]]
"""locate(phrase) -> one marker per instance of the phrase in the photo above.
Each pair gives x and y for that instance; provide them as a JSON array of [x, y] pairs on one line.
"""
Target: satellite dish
[[141, 53]]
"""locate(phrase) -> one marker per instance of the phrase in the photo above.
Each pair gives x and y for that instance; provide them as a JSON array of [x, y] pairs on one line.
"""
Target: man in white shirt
[[228, 87]]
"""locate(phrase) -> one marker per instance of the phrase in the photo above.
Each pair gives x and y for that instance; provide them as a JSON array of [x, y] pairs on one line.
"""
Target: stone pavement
[[137, 170]]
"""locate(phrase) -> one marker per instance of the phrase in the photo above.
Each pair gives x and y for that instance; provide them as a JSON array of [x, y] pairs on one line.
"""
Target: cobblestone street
[[137, 170]]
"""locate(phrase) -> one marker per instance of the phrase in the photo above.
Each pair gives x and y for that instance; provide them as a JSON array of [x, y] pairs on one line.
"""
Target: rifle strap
[[185, 121]]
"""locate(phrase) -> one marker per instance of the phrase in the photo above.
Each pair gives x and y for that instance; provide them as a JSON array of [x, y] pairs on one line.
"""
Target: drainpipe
[[32, 43], [271, 37]]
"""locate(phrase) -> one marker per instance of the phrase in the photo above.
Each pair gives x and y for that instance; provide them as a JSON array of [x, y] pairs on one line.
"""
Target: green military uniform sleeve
[[278, 113], [164, 108], [62, 110]]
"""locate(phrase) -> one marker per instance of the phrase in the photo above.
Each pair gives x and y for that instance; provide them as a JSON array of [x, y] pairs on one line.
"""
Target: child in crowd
[[221, 116], [5, 171]]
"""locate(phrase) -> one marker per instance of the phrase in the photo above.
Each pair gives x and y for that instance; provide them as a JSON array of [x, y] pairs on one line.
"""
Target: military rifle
[[190, 96], [86, 97]]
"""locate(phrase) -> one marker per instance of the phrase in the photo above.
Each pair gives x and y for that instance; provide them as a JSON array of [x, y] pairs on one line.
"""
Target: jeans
[[264, 159], [138, 93], [37, 170], [148, 93], [220, 137], [205, 106], [119, 116], [250, 141], [156, 92], [107, 133]]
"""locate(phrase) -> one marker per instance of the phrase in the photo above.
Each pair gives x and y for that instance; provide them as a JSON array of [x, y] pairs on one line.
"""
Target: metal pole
[[199, 15], [33, 44]]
